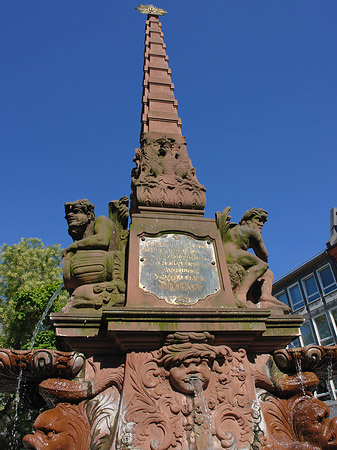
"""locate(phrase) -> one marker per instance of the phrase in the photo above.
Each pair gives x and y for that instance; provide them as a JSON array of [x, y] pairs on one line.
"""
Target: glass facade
[[327, 279], [296, 297], [315, 296], [282, 297], [324, 330], [307, 334], [311, 289]]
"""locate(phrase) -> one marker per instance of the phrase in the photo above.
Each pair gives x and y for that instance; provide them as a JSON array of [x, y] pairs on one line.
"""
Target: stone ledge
[[121, 330]]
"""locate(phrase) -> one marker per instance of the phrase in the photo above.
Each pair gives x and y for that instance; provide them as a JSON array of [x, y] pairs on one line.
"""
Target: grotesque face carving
[[257, 222], [312, 424], [180, 375], [61, 428], [78, 215], [51, 432]]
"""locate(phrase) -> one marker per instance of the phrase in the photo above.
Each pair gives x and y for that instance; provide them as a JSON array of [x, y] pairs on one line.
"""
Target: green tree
[[30, 273]]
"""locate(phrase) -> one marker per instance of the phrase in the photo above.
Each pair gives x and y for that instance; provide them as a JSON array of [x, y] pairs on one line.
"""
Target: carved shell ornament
[[151, 9]]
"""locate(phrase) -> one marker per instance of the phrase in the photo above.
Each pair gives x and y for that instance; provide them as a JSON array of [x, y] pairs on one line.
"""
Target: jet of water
[[44, 315], [202, 403]]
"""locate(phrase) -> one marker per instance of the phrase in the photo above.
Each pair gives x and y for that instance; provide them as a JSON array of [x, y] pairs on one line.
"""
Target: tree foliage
[[30, 273]]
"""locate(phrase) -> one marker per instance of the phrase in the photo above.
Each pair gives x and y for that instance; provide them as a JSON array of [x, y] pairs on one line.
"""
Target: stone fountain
[[183, 341]]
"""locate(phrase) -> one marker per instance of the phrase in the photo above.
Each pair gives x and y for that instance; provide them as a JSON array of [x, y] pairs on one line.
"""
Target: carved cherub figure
[[190, 356], [251, 277]]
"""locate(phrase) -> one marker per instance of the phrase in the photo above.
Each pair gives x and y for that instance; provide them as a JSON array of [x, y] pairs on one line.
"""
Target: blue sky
[[256, 86]]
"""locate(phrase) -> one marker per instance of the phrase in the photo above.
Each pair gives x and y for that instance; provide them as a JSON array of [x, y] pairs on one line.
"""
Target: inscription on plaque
[[178, 268]]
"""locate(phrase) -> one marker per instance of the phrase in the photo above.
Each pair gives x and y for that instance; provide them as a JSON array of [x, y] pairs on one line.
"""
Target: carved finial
[[151, 9]]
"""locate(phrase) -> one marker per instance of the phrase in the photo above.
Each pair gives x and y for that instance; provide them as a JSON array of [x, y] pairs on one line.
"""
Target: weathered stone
[[250, 275], [93, 265]]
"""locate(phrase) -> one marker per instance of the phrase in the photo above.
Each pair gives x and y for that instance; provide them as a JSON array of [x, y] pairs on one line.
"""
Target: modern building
[[311, 290]]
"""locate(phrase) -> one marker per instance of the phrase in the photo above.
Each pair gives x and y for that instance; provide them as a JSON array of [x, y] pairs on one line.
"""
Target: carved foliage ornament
[[162, 410], [151, 9], [164, 176]]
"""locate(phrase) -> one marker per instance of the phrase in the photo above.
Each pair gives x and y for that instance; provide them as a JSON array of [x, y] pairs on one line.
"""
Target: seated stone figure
[[250, 275], [93, 272]]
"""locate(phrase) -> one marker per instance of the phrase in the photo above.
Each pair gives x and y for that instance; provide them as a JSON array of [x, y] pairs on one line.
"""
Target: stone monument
[[174, 316]]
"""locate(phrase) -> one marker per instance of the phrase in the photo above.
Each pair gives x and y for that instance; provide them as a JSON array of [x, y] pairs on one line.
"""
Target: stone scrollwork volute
[[164, 176], [36, 365], [310, 358], [94, 264], [162, 410]]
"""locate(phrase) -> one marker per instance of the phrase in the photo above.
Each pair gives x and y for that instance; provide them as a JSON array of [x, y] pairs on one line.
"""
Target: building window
[[324, 330], [310, 288], [296, 297], [307, 334], [283, 298], [327, 279], [295, 343], [333, 313]]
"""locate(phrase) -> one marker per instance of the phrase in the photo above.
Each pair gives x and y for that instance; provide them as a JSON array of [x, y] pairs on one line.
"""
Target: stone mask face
[[313, 425], [53, 432], [181, 374]]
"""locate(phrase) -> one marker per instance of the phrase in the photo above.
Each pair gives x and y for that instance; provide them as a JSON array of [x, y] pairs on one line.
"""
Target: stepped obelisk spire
[[159, 112], [164, 176]]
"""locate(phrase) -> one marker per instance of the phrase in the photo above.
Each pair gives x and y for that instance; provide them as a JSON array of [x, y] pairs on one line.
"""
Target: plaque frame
[[178, 268], [153, 224]]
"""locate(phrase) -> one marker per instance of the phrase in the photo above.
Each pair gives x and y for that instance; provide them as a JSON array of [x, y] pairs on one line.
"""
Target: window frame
[[318, 271], [311, 275], [284, 291], [290, 298], [318, 334], [313, 333]]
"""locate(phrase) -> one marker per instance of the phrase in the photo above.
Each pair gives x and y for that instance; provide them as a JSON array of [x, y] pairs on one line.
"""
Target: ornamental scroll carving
[[36, 365], [161, 410], [164, 176], [316, 358]]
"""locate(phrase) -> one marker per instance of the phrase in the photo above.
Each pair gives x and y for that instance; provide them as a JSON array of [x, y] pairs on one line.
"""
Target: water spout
[[21, 385], [201, 403], [329, 379], [44, 315], [298, 363]]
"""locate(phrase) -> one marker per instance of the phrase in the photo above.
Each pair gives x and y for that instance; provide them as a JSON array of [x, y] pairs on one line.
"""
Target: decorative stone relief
[[36, 365], [315, 358], [300, 422], [88, 425], [84, 411], [189, 394], [250, 276], [94, 264], [164, 176]]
